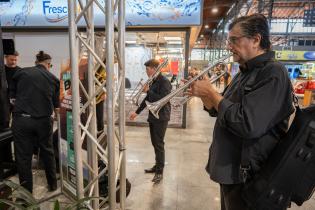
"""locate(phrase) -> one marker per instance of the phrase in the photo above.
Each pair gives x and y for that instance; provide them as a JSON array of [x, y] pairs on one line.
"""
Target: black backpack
[[103, 184], [289, 173]]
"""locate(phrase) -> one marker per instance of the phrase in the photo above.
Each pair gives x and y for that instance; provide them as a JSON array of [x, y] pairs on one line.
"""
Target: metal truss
[[264, 7], [115, 96], [248, 7], [218, 38]]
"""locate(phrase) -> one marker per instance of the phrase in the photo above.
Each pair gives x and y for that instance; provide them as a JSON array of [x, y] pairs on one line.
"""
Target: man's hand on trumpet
[[145, 88], [200, 88], [204, 90]]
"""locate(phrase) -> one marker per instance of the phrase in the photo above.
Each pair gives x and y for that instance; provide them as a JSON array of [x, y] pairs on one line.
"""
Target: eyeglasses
[[233, 39]]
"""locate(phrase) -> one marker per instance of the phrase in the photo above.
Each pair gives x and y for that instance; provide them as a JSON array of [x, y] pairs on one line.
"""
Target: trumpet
[[185, 99], [135, 98], [139, 85], [155, 107]]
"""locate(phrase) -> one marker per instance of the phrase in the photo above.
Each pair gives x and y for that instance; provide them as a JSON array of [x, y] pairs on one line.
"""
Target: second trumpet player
[[159, 88]]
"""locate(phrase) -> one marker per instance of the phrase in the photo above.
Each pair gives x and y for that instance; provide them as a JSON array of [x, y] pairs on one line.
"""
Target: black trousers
[[157, 133], [29, 133], [231, 197]]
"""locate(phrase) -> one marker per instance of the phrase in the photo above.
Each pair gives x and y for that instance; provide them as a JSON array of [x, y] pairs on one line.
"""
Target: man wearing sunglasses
[[35, 92], [252, 112]]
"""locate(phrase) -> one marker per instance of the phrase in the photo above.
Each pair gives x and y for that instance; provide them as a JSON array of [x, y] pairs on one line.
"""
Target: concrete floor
[[186, 185]]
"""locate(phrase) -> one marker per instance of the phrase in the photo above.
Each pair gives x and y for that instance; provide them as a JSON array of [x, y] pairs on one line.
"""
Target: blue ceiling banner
[[54, 13]]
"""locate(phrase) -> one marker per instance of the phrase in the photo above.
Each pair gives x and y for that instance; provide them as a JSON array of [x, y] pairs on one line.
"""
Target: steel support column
[[110, 112], [122, 146], [75, 97]]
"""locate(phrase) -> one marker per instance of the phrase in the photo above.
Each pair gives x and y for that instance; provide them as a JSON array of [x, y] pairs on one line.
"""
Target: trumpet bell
[[154, 108]]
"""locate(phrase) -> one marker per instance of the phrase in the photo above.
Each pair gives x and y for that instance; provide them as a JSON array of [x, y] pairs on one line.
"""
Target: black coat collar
[[258, 61]]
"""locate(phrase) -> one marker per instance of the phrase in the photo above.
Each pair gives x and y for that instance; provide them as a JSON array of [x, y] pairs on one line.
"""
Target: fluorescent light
[[174, 42], [131, 42], [172, 38], [174, 50]]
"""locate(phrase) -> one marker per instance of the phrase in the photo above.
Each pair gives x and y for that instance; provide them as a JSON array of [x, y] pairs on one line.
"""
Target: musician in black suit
[[160, 87], [35, 92]]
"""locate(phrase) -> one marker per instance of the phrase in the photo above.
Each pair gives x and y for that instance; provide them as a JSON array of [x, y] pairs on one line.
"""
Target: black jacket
[[254, 116], [160, 87], [10, 73], [36, 91]]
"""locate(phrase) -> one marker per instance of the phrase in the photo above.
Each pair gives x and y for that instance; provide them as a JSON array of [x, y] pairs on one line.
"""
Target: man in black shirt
[[35, 92], [251, 115], [10, 68], [160, 87]]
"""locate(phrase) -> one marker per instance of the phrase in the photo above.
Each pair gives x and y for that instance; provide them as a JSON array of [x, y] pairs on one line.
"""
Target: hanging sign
[[295, 55], [54, 13]]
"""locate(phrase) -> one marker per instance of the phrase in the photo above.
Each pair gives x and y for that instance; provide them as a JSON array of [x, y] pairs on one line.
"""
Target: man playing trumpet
[[254, 107], [160, 87]]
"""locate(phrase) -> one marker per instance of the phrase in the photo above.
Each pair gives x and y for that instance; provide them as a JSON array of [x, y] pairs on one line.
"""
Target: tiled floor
[[186, 185]]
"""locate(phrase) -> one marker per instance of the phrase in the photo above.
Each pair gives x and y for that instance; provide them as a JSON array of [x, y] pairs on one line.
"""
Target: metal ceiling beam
[[286, 7], [211, 20], [218, 5], [233, 12], [294, 1], [294, 34]]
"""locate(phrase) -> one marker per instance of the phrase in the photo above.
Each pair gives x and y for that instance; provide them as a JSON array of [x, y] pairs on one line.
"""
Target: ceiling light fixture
[[207, 26], [215, 10]]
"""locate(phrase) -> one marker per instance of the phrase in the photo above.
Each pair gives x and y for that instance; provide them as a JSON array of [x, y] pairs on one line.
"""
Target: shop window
[[294, 42], [308, 42], [301, 42]]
